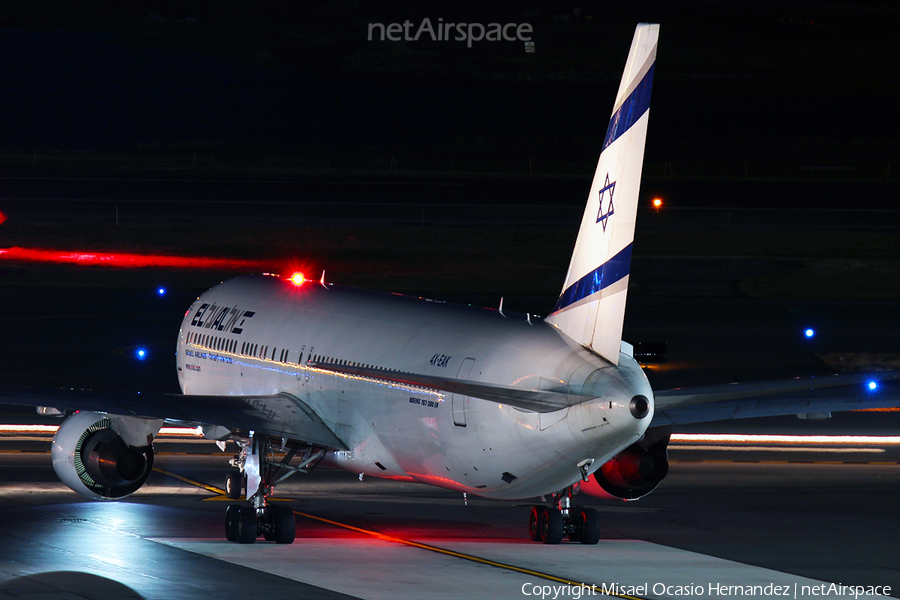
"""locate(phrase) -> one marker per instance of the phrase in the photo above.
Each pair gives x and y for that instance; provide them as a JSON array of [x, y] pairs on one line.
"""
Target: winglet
[[591, 307]]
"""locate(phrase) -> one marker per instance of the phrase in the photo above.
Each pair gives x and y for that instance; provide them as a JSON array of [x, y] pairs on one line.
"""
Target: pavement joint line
[[420, 545]]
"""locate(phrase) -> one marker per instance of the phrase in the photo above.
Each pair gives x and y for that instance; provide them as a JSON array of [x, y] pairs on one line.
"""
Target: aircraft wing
[[527, 399], [278, 415], [821, 394]]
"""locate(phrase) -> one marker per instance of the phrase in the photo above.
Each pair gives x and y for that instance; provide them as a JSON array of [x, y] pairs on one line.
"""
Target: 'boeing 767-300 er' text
[[464, 398]]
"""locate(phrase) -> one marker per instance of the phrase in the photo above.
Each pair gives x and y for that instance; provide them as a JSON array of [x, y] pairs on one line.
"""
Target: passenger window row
[[251, 350]]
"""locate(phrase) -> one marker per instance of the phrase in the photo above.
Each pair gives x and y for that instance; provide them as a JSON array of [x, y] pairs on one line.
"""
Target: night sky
[[816, 78]]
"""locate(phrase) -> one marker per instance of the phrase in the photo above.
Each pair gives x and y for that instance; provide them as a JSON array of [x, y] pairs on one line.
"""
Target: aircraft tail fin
[[591, 307]]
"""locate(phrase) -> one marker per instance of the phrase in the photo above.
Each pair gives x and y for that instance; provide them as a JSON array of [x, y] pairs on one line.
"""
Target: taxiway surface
[[715, 522]]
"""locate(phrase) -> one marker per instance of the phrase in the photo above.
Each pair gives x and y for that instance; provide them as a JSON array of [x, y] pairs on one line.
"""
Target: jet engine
[[635, 471], [94, 460]]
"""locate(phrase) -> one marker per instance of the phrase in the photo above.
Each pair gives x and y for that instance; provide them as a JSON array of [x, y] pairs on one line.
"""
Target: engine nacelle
[[635, 471], [92, 459]]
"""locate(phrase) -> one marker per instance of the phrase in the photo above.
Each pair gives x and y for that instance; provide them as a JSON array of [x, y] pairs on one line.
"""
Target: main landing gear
[[549, 524], [258, 471], [243, 524]]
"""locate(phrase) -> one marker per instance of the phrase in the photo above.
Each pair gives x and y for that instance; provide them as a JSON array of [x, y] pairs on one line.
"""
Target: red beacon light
[[297, 279]]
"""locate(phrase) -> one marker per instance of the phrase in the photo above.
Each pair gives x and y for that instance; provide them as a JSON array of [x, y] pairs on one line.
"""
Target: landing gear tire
[[246, 527], [285, 525], [534, 523], [551, 526], [231, 516], [233, 483], [587, 526], [279, 525], [271, 523]]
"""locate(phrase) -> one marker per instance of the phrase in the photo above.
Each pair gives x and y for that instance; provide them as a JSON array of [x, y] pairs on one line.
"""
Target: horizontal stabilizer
[[527, 399], [821, 394]]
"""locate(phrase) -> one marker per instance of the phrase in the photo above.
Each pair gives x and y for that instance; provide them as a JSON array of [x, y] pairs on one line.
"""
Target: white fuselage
[[259, 335]]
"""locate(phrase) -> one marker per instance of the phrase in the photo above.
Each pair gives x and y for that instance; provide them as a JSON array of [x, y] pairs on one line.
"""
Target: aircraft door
[[458, 401]]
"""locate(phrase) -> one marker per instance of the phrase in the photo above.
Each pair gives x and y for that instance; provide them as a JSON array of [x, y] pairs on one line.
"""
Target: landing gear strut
[[260, 470], [549, 524]]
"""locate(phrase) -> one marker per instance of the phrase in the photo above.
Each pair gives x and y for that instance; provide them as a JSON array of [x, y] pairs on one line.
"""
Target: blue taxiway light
[[809, 333], [161, 291], [141, 354], [872, 385]]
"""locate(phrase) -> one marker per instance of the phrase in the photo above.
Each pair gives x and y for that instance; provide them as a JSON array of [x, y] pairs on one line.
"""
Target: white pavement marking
[[375, 569]]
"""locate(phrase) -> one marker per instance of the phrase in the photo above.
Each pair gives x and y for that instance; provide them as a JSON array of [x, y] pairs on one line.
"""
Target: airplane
[[468, 399]]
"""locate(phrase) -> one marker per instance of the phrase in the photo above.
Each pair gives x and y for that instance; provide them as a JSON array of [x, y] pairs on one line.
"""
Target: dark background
[[274, 131], [755, 88]]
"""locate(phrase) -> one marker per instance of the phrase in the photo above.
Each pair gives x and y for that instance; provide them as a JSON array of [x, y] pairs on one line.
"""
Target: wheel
[[534, 523], [246, 525], [589, 524], [271, 520], [285, 525], [280, 524], [269, 532], [575, 529], [551, 526], [233, 484], [231, 514]]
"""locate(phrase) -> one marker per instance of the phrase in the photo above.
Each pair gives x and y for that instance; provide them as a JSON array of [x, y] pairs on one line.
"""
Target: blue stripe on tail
[[637, 103], [602, 277]]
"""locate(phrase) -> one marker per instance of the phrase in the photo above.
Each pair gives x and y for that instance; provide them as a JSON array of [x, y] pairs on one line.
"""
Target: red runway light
[[297, 279]]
